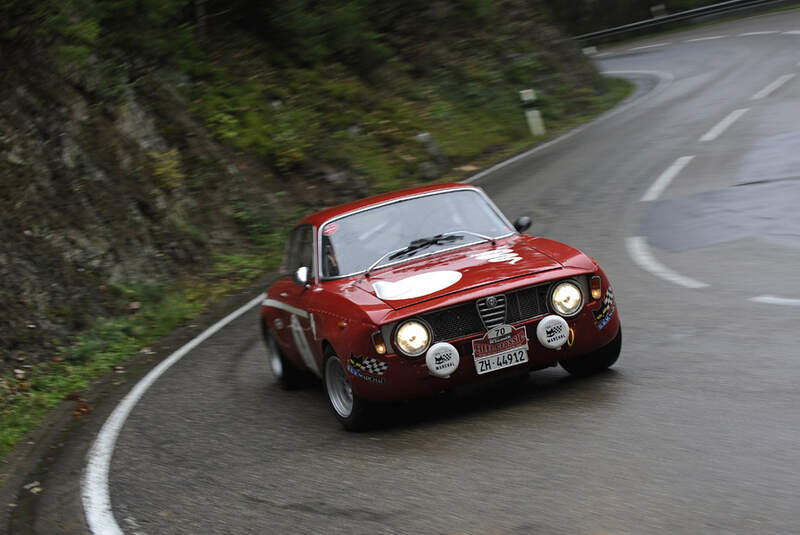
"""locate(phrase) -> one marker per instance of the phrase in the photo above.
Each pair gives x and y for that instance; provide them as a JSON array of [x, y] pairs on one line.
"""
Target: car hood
[[458, 270]]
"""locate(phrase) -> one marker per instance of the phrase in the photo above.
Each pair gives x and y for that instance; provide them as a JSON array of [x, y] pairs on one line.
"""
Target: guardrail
[[714, 9]]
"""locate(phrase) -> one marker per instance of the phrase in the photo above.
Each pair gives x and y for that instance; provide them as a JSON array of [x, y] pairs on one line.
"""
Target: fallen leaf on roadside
[[31, 485], [81, 409], [73, 396]]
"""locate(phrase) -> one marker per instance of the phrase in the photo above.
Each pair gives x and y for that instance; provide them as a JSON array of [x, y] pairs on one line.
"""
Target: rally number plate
[[501, 360], [502, 346]]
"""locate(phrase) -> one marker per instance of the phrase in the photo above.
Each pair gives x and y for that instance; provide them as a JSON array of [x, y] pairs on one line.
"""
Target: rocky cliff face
[[102, 188]]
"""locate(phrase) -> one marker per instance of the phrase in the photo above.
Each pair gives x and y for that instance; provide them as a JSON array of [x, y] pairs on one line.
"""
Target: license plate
[[501, 360], [502, 346]]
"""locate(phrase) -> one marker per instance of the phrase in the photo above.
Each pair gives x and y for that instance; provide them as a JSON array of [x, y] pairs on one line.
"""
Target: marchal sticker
[[330, 229], [552, 331], [442, 359]]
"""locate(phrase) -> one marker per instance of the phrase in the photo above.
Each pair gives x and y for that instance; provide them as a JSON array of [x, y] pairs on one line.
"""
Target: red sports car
[[416, 292]]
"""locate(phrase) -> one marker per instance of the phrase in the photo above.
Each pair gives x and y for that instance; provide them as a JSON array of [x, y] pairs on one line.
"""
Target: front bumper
[[408, 378]]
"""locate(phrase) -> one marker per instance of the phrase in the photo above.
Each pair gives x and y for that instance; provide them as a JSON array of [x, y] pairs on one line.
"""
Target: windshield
[[353, 243]]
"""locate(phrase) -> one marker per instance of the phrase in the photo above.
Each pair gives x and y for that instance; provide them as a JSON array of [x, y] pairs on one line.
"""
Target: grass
[[155, 310]]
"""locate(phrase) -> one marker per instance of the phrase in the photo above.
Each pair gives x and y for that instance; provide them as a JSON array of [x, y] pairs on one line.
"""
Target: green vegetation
[[215, 125], [154, 310]]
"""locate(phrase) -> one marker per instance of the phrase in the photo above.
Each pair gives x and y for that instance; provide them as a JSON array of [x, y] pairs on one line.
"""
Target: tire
[[283, 371], [596, 361], [350, 409]]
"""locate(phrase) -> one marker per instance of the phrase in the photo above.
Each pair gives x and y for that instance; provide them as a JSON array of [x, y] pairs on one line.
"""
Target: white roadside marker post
[[534, 117]]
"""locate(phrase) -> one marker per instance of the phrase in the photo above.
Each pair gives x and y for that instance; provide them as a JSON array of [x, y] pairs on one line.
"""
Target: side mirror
[[522, 223], [301, 276]]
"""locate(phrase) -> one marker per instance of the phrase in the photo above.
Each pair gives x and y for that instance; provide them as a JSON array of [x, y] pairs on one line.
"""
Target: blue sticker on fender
[[367, 368], [603, 315]]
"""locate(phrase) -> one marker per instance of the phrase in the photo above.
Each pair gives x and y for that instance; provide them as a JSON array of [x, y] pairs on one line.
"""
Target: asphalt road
[[695, 431]]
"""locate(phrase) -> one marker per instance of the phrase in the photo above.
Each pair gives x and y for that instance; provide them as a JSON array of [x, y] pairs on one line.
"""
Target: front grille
[[464, 319], [492, 310], [527, 303], [454, 322]]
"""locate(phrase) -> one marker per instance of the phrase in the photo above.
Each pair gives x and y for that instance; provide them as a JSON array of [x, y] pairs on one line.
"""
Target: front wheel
[[596, 361], [350, 409]]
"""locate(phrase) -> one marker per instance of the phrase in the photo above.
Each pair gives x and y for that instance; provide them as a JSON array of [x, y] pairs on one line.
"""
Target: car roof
[[322, 216]]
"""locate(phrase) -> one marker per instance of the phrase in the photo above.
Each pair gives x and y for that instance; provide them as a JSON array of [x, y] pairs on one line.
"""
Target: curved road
[[695, 431]]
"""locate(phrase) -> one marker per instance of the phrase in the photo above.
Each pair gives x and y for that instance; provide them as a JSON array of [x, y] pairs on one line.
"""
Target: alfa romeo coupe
[[420, 291]]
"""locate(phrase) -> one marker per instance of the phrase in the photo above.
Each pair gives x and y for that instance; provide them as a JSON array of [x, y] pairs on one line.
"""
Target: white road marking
[[793, 32], [767, 32], [640, 253], [95, 492], [767, 91], [772, 300], [666, 177], [710, 38], [664, 79], [649, 46], [723, 125]]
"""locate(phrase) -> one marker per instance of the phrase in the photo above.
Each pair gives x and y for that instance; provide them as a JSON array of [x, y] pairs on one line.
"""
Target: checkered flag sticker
[[609, 297], [374, 366]]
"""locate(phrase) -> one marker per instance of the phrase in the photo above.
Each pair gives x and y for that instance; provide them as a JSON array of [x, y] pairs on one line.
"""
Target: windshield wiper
[[415, 245], [423, 243]]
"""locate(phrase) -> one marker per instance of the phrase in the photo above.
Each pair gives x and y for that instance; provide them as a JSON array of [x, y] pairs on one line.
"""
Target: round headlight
[[566, 298], [413, 338]]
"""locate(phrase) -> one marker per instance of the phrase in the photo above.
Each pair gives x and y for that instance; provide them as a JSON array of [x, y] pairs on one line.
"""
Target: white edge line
[[665, 79], [95, 491], [709, 38], [649, 46], [724, 124], [772, 300], [792, 32], [774, 86], [640, 253], [766, 32], [666, 177]]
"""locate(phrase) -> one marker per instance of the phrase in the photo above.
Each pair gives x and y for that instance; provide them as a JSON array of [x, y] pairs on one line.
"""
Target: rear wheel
[[596, 361], [350, 409], [284, 372]]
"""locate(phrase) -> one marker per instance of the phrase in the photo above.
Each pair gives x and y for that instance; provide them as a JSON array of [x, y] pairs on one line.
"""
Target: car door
[[298, 297]]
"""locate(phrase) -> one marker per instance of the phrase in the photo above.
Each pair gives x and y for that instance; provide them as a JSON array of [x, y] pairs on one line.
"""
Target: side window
[[300, 251]]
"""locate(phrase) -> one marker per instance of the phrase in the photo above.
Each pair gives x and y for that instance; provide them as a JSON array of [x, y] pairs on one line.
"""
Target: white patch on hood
[[416, 286], [501, 254]]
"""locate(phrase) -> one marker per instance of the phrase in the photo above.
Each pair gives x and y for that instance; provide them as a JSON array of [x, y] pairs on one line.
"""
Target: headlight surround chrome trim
[[575, 284], [399, 347]]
